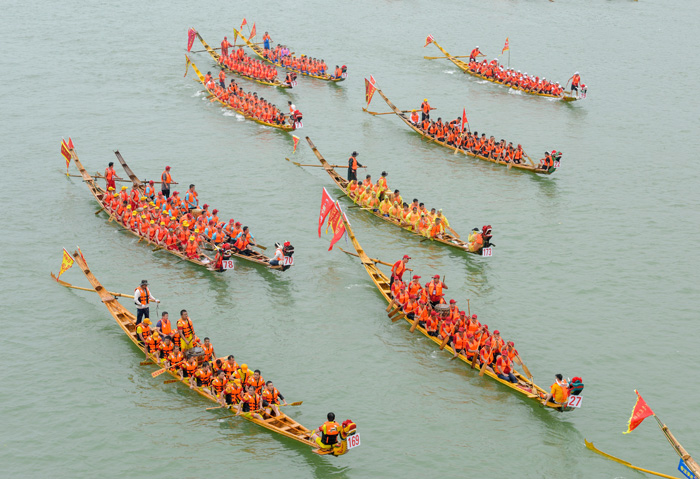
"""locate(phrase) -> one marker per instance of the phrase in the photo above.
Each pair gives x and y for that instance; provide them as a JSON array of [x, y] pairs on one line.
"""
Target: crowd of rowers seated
[[467, 336], [416, 217], [454, 135], [307, 65], [170, 222], [245, 102], [237, 61], [179, 350]]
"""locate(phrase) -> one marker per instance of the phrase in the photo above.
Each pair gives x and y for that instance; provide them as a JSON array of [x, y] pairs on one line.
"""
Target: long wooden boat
[[523, 387], [99, 193], [464, 66], [342, 183], [532, 167], [282, 424], [261, 53], [285, 127], [217, 58]]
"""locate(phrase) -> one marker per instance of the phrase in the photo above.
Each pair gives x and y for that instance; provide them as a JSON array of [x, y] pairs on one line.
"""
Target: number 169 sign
[[354, 440]]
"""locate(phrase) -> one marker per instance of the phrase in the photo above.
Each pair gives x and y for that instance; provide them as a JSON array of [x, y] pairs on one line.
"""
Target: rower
[[232, 393], [559, 391], [150, 191], [475, 53], [229, 366], [143, 331], [504, 369], [435, 288], [186, 330], [142, 296], [202, 376], [219, 383], [327, 435], [415, 118], [398, 269], [271, 398], [242, 240], [353, 164], [243, 374], [165, 348], [175, 358], [208, 350], [188, 368], [250, 402], [256, 381]]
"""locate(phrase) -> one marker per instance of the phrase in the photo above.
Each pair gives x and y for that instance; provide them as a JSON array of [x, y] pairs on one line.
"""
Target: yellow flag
[[66, 263]]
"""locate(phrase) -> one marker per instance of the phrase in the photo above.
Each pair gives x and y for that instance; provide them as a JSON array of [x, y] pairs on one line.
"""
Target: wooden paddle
[[96, 212], [394, 311], [391, 305], [444, 342], [398, 317], [155, 374], [170, 381], [259, 246], [372, 259], [145, 363], [320, 166], [68, 285], [483, 369], [469, 309], [442, 58], [414, 325]]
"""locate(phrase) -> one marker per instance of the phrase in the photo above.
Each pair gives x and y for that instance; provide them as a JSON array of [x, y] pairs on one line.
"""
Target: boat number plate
[[227, 264], [574, 401], [288, 260], [557, 164], [487, 252], [354, 440]]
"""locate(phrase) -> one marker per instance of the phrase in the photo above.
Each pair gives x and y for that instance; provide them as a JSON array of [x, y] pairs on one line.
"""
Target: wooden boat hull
[[282, 424], [405, 119], [217, 57], [381, 281], [240, 112], [99, 194], [464, 66], [342, 183], [259, 52]]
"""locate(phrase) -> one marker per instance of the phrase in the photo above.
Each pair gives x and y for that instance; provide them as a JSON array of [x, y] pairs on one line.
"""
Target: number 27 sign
[[574, 401]]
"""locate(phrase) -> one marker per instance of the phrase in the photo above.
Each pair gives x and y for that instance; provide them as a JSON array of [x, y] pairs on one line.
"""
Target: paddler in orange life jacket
[[163, 325], [224, 47], [435, 288], [425, 110], [191, 198], [150, 191], [271, 398], [222, 78], [250, 402], [353, 165], [327, 435], [142, 296], [398, 269], [186, 330], [110, 176]]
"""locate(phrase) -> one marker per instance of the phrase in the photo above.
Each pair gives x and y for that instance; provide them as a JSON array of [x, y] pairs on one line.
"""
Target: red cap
[[238, 223], [470, 335], [167, 167], [510, 343], [416, 277], [473, 316], [215, 211], [452, 301], [231, 220], [150, 182], [496, 332], [462, 313], [406, 256], [205, 206], [412, 296], [436, 276], [461, 328], [287, 243]]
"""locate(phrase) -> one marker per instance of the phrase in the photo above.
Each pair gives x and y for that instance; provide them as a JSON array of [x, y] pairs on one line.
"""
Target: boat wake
[[451, 72]]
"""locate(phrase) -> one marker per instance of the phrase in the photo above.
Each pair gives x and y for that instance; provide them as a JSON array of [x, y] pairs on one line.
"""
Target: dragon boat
[[520, 166], [221, 64], [282, 424], [525, 387], [446, 238], [100, 196], [464, 66], [261, 53], [285, 127]]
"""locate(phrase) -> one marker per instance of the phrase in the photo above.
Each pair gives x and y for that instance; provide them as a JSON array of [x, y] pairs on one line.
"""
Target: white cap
[[576, 73]]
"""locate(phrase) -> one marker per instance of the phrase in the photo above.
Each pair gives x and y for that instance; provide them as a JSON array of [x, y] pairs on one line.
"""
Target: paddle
[[320, 166], [483, 369], [68, 285], [443, 58], [398, 317], [372, 259], [390, 112], [444, 342], [259, 246], [155, 374], [145, 363], [414, 325], [96, 212], [530, 160], [391, 305], [170, 381]]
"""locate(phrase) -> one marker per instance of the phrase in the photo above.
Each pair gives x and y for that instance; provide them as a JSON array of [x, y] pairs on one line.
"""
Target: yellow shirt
[[558, 393]]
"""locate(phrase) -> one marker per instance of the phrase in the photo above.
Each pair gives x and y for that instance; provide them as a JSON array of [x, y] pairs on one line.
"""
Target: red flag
[[506, 47], [296, 142], [243, 24], [464, 117], [70, 144], [335, 222], [428, 41], [369, 90], [252, 32], [190, 38], [65, 151], [326, 206], [640, 412], [371, 80]]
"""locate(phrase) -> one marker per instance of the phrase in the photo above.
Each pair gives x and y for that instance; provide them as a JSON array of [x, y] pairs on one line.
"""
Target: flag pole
[[680, 450], [509, 57]]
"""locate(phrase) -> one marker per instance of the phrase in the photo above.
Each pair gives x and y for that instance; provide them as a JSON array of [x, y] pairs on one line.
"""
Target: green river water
[[594, 273]]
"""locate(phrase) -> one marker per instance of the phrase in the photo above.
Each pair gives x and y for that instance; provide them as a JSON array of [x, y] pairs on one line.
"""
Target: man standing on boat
[[475, 53], [224, 47], [166, 180], [266, 41], [110, 175], [353, 165], [399, 269], [425, 109], [142, 296]]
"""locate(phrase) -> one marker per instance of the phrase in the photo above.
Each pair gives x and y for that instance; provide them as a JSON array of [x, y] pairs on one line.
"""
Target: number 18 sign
[[354, 440]]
